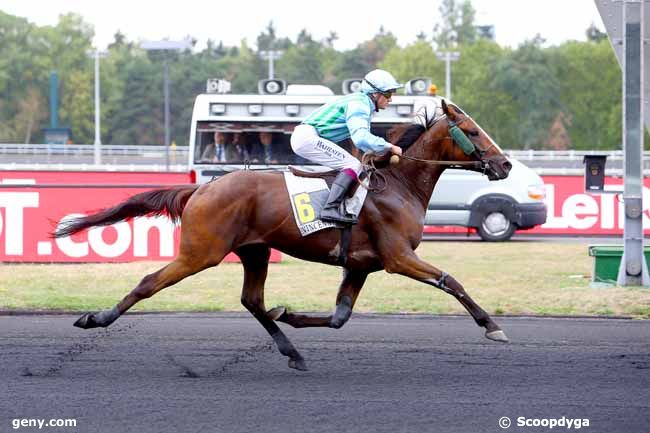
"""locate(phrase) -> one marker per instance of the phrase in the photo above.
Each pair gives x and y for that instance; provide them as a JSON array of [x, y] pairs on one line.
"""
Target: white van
[[495, 208]]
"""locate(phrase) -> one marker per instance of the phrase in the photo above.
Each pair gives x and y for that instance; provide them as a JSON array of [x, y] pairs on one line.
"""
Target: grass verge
[[504, 278]]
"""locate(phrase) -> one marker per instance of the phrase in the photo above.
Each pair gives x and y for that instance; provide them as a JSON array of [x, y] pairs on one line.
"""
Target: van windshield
[[263, 143]]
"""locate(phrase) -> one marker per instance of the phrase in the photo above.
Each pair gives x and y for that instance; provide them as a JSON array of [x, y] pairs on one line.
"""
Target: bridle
[[455, 134], [467, 146]]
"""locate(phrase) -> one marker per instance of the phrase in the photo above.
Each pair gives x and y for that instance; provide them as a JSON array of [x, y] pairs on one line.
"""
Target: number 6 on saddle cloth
[[308, 196]]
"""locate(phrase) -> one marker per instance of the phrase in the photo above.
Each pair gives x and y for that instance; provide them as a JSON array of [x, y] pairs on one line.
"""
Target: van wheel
[[496, 227]]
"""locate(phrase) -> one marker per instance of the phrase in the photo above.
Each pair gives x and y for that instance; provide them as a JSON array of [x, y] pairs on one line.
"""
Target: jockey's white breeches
[[306, 142]]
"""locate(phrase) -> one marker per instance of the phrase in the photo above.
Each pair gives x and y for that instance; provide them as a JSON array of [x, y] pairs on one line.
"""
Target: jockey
[[347, 117]]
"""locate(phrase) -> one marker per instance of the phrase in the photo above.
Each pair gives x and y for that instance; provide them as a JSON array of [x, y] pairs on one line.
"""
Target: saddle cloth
[[308, 196]]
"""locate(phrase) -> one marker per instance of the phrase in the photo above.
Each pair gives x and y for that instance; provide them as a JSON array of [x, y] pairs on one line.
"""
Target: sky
[[354, 21]]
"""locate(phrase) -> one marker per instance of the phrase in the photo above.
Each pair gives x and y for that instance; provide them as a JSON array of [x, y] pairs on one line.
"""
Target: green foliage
[[590, 93], [416, 60], [528, 78], [478, 91], [457, 26], [519, 95]]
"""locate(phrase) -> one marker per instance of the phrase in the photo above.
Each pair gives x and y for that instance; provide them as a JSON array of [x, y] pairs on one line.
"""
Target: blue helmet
[[379, 81]]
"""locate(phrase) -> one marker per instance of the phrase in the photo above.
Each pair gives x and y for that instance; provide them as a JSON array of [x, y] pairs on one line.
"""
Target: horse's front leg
[[348, 292], [405, 262]]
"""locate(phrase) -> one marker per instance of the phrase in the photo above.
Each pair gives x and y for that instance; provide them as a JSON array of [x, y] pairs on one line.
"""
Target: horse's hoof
[[298, 364], [276, 313], [86, 321], [497, 336]]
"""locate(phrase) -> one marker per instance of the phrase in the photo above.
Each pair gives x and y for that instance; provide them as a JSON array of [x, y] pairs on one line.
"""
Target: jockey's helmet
[[379, 81]]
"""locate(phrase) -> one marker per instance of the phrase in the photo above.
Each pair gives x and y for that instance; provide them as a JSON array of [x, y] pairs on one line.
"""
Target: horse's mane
[[405, 135]]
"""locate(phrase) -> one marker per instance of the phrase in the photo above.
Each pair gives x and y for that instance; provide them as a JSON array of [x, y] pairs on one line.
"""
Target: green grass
[[504, 278]]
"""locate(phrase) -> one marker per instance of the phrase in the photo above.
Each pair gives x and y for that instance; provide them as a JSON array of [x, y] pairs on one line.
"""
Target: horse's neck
[[420, 178]]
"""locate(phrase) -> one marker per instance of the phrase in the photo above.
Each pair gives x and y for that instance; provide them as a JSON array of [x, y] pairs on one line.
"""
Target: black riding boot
[[334, 209]]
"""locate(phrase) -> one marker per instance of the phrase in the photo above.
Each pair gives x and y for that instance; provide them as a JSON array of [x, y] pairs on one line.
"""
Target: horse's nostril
[[507, 165]]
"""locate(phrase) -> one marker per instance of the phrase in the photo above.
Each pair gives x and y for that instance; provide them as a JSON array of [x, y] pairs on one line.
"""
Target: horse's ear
[[445, 109]]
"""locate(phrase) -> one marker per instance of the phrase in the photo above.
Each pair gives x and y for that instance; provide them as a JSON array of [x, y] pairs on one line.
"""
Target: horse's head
[[467, 141]]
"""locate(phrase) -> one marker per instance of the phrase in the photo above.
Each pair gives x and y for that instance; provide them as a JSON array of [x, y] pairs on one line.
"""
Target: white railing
[[181, 151], [152, 158], [158, 168], [155, 151], [565, 155]]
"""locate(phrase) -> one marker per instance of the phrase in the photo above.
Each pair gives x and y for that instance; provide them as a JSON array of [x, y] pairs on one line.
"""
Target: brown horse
[[249, 212]]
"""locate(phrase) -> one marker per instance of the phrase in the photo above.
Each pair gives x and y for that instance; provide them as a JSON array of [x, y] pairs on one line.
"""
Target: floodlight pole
[[448, 57], [97, 151], [165, 46], [166, 93], [271, 55]]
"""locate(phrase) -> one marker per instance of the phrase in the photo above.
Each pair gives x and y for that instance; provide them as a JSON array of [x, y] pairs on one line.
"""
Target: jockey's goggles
[[385, 93]]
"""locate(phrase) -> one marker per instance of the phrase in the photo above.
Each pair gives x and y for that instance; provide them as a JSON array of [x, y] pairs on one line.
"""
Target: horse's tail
[[168, 201]]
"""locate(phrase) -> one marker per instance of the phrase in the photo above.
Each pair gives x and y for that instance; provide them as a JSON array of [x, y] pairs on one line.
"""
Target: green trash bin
[[607, 259]]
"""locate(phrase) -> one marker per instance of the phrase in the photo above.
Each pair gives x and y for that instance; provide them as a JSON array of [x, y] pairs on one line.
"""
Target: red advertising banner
[[24, 177], [572, 211], [29, 214]]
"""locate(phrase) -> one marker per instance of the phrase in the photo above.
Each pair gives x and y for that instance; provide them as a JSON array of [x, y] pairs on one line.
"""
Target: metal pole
[[633, 269], [98, 140], [448, 75], [166, 91], [271, 71], [448, 57]]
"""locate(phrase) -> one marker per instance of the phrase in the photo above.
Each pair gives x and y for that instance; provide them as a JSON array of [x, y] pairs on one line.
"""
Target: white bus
[[253, 130]]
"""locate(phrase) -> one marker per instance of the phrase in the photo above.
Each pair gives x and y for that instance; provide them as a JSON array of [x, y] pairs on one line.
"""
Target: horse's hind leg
[[347, 296], [149, 286], [255, 259]]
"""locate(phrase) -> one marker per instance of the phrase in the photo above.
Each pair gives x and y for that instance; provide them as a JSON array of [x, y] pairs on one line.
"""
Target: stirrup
[[335, 215]]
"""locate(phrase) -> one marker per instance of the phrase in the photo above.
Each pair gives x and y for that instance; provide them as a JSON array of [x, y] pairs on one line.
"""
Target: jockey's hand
[[396, 150]]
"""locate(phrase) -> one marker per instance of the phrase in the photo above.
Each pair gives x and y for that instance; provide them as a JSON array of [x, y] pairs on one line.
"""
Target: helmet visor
[[385, 93]]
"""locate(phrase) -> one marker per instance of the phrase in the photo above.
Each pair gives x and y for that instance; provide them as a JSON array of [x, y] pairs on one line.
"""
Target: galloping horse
[[249, 212]]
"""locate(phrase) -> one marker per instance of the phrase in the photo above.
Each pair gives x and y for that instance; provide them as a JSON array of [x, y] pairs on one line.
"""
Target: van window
[[263, 143]]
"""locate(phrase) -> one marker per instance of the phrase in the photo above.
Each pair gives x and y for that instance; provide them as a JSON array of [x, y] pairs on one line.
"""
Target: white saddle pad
[[308, 196]]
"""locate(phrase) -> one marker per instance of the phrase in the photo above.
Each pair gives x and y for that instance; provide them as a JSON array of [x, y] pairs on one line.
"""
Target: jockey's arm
[[358, 121]]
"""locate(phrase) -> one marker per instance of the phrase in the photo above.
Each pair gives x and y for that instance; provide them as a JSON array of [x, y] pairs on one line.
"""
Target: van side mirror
[[595, 173]]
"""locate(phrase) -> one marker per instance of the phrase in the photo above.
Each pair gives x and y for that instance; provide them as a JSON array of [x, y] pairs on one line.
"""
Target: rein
[[477, 164], [370, 171]]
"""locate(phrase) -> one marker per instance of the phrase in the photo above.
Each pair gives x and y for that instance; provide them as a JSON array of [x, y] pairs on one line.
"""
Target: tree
[[301, 63], [479, 93], [415, 60], [77, 104], [373, 51], [139, 119], [589, 92], [331, 38], [243, 69], [594, 34], [29, 115], [527, 77], [457, 26], [268, 40]]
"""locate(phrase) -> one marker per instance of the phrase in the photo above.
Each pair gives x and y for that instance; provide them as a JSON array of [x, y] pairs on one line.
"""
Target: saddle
[[317, 174], [327, 176]]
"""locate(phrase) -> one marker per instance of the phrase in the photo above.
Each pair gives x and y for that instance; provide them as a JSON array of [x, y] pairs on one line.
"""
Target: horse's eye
[[473, 133]]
